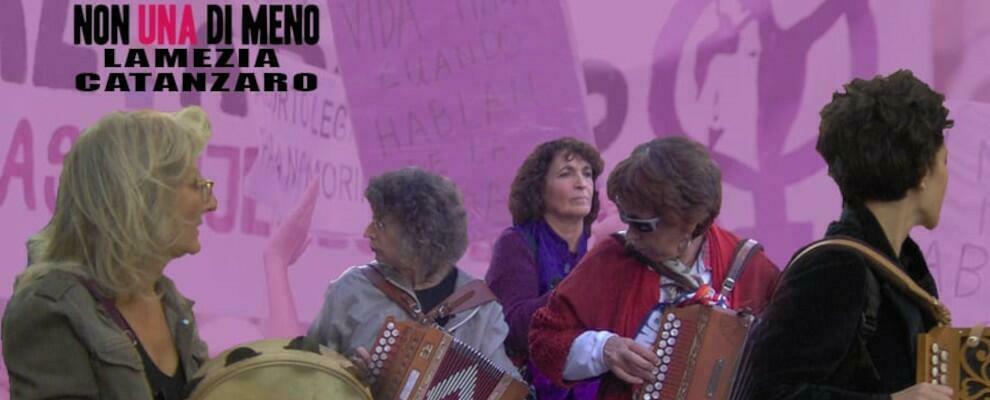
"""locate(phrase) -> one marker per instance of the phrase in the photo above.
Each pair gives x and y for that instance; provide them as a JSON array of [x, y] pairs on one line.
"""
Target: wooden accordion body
[[958, 358], [700, 348], [413, 361]]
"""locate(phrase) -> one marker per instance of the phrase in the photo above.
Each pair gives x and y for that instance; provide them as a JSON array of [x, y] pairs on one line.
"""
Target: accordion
[[958, 358], [700, 348], [413, 361]]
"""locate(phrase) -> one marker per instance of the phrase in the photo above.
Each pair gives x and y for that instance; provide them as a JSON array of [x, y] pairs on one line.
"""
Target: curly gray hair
[[429, 212]]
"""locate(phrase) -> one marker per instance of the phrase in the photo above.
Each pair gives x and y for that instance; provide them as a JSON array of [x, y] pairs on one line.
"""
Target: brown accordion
[[958, 358], [413, 361], [700, 348]]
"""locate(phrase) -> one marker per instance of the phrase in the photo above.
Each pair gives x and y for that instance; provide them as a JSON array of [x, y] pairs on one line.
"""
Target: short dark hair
[[429, 210], [674, 177], [526, 195], [880, 137]]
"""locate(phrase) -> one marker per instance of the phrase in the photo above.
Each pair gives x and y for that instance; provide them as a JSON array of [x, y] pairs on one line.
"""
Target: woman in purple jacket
[[553, 202]]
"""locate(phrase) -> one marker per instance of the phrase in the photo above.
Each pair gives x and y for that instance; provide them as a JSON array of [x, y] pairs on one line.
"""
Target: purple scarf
[[555, 261]]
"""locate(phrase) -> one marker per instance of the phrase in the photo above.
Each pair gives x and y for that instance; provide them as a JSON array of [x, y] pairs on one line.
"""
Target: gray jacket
[[355, 310], [58, 342]]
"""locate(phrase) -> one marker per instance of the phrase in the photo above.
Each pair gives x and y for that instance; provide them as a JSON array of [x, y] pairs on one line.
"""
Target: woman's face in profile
[[194, 198], [935, 183]]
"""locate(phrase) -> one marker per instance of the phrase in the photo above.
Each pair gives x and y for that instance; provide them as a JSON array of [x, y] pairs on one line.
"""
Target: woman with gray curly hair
[[418, 232], [93, 315]]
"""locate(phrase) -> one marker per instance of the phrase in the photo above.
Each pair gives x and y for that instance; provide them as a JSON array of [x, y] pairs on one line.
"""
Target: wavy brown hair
[[674, 177], [526, 196]]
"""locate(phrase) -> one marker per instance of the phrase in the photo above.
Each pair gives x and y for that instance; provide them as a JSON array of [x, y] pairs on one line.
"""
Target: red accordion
[[700, 348], [412, 361]]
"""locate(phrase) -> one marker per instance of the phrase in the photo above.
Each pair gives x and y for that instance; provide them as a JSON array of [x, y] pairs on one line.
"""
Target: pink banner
[[462, 88]]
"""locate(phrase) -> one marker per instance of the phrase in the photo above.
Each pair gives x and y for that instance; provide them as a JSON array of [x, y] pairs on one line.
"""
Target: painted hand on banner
[[291, 236], [289, 240]]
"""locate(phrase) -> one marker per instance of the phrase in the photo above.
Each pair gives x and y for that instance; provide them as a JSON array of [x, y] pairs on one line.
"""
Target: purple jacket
[[527, 262]]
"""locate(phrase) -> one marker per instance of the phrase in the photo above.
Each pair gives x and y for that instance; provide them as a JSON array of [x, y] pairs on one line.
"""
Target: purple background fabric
[[745, 77]]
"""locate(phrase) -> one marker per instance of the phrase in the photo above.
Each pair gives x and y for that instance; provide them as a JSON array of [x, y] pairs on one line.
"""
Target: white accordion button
[[677, 324], [945, 355], [657, 386], [661, 378], [666, 326], [934, 360], [944, 379], [381, 341], [944, 368], [663, 368], [390, 325], [669, 351], [378, 349], [385, 356], [935, 348], [388, 333], [671, 341], [934, 371], [388, 348], [391, 340], [670, 317], [660, 351], [666, 359], [674, 332], [662, 344], [655, 395], [374, 357], [664, 334]]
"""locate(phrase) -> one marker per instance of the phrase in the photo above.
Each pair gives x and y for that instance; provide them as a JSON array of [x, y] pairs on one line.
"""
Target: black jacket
[[811, 342]]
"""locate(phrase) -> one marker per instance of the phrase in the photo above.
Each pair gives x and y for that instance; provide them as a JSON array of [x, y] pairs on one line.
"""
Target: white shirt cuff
[[586, 359]]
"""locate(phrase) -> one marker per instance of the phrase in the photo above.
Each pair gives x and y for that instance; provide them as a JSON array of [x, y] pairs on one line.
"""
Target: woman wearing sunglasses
[[553, 202], [598, 321], [93, 316]]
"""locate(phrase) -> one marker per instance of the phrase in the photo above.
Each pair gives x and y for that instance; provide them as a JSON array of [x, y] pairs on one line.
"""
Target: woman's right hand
[[362, 361], [629, 361], [924, 391]]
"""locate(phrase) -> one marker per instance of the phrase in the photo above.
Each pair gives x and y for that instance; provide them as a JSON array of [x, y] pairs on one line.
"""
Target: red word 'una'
[[160, 24]]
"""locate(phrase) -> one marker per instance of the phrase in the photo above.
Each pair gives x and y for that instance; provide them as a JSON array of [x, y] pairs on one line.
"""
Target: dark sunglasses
[[645, 225]]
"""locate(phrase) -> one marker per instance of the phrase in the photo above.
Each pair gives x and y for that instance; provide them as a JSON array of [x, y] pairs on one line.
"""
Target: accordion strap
[[744, 252], [889, 272], [469, 296]]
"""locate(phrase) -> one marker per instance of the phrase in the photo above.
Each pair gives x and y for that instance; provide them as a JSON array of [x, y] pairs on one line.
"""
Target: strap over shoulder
[[744, 252], [471, 295], [887, 271]]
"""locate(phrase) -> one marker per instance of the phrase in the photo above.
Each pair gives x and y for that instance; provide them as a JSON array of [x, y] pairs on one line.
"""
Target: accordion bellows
[[412, 361], [957, 358], [699, 347]]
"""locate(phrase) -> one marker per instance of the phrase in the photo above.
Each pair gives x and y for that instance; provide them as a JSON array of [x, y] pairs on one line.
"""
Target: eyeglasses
[[205, 187], [644, 225]]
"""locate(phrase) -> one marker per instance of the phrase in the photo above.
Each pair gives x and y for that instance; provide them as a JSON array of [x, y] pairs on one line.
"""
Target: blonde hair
[[115, 218]]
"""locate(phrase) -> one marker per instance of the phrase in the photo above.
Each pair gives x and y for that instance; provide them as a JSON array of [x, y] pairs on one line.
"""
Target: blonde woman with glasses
[[93, 316]]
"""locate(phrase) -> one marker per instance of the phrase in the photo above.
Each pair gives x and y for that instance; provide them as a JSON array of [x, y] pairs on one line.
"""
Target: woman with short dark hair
[[601, 320], [884, 145], [553, 202]]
